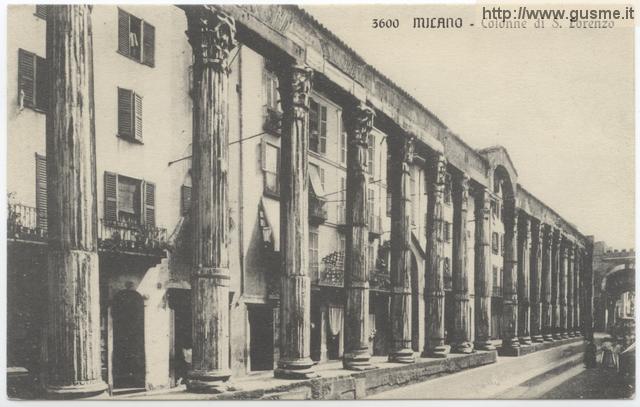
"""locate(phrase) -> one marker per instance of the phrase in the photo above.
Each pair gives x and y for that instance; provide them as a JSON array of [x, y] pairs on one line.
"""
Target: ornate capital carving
[[212, 37], [464, 190], [440, 167], [408, 147], [361, 123], [301, 77]]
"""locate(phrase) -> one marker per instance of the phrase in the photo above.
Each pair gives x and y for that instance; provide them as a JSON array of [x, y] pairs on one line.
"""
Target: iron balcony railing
[[317, 210], [28, 224]]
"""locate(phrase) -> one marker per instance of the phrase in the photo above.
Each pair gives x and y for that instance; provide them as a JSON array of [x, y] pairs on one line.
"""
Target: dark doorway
[[180, 303], [128, 340], [261, 337], [316, 328]]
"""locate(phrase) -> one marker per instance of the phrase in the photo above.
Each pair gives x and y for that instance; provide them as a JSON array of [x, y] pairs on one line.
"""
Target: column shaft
[[434, 287], [547, 266], [483, 278], [536, 283], [402, 158], [524, 312], [460, 278], [563, 289], [211, 37], [356, 327], [510, 279], [577, 291], [570, 291], [73, 330], [295, 291], [555, 290]]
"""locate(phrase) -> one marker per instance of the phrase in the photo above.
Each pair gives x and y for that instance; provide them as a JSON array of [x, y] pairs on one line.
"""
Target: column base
[[484, 345], [512, 343], [296, 369], [525, 340], [210, 382], [358, 361], [402, 356], [440, 351], [547, 337], [462, 347], [537, 338], [76, 391], [557, 336], [564, 335], [571, 334]]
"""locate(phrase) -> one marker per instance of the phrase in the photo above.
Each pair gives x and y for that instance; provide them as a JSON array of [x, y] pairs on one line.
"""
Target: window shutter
[[124, 113], [323, 130], [26, 77], [148, 44], [41, 11], [186, 200], [123, 32], [41, 191], [149, 204], [138, 116], [110, 197], [42, 83], [263, 154]]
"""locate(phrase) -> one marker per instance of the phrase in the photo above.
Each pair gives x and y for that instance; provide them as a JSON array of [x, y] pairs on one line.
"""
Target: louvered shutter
[[42, 83], [123, 32], [148, 44], [263, 155], [137, 127], [26, 77], [186, 199], [150, 204], [41, 191], [110, 197], [41, 11], [125, 123]]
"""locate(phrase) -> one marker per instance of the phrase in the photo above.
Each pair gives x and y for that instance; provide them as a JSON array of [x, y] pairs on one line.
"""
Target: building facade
[[253, 196]]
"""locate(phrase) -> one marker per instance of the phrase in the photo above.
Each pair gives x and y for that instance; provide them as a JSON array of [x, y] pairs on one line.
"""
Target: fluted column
[[555, 287], [536, 282], [356, 277], [563, 288], [212, 37], [73, 321], [547, 282], [510, 279], [570, 290], [462, 341], [483, 278], [434, 290], [577, 291], [402, 157], [524, 312], [587, 267], [295, 290]]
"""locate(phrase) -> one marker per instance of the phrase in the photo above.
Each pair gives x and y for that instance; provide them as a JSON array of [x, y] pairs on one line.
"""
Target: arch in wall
[[128, 357]]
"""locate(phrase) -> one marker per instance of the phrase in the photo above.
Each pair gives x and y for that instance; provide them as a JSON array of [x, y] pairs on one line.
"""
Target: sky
[[561, 100]]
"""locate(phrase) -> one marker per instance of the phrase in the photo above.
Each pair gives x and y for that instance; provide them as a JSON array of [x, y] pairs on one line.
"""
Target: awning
[[316, 184], [271, 228]]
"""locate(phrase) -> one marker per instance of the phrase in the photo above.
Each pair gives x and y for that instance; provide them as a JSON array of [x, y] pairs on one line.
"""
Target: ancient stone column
[[462, 341], [587, 268], [73, 366], [547, 282], [524, 312], [510, 279], [536, 283], [577, 291], [402, 158], [295, 290], [555, 287], [483, 278], [563, 288], [212, 37], [356, 273], [434, 289], [570, 290]]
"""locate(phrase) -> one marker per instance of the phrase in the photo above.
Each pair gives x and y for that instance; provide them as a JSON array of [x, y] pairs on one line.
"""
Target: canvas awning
[[315, 182], [271, 212]]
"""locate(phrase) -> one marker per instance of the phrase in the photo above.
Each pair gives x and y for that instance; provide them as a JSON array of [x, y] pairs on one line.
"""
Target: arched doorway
[[127, 311]]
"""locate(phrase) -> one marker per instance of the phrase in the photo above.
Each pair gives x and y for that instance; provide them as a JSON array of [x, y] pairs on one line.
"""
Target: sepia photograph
[[319, 201]]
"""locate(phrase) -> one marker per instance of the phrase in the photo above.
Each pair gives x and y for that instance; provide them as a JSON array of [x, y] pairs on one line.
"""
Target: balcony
[[272, 121], [25, 225], [331, 270], [317, 210], [375, 226], [379, 280]]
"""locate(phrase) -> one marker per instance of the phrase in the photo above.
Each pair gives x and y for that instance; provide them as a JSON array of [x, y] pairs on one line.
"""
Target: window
[[41, 191], [497, 286], [317, 127], [371, 151], [371, 258], [136, 38], [33, 81], [128, 201], [494, 243], [41, 11], [371, 211], [343, 243], [389, 200], [343, 142], [271, 94], [342, 205], [502, 244], [313, 250], [129, 115], [270, 162], [185, 200]]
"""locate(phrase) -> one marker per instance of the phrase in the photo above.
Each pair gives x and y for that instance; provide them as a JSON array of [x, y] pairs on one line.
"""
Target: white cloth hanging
[[336, 319]]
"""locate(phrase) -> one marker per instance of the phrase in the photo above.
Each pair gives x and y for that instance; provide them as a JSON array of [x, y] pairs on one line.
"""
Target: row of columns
[[73, 345]]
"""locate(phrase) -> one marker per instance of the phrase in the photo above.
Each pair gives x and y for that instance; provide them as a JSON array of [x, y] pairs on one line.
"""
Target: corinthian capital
[[362, 123], [464, 190], [212, 36], [301, 77], [440, 165]]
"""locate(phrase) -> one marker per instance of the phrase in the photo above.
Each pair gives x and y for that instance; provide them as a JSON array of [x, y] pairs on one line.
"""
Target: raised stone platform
[[336, 383], [536, 347]]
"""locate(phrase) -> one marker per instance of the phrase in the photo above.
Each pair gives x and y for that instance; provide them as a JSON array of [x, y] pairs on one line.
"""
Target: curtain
[[335, 320]]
